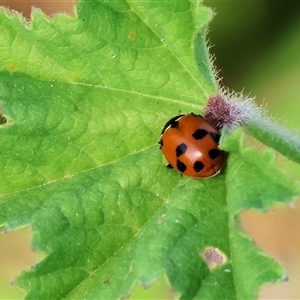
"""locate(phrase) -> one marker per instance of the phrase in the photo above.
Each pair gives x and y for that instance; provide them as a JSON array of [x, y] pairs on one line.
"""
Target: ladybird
[[190, 145]]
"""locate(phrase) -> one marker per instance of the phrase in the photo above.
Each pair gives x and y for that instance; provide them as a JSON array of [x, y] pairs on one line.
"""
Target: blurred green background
[[257, 49]]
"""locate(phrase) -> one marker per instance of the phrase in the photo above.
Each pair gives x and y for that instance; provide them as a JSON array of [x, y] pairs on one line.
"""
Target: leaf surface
[[85, 99]]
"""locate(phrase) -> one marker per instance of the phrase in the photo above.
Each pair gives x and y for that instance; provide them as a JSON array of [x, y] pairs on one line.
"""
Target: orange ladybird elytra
[[190, 145]]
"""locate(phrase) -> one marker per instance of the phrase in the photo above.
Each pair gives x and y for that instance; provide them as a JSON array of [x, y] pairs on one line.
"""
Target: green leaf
[[252, 181], [84, 101], [247, 173]]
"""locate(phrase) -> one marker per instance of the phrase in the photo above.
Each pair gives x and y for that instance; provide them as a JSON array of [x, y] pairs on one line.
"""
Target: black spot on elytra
[[181, 149], [169, 166], [200, 134], [213, 153], [215, 136], [172, 122], [198, 166], [181, 166]]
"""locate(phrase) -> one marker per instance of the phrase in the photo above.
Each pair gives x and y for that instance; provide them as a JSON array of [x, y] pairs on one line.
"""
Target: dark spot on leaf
[[12, 68], [145, 286], [106, 281], [132, 35], [3, 119], [214, 257]]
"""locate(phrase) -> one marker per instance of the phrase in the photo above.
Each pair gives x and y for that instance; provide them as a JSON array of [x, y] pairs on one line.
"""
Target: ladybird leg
[[169, 167], [160, 143]]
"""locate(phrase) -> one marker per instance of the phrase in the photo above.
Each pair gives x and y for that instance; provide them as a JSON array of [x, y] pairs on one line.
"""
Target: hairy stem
[[275, 136]]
